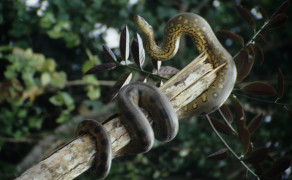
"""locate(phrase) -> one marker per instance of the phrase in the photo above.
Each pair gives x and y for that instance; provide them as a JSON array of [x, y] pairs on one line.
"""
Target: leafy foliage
[[46, 49]]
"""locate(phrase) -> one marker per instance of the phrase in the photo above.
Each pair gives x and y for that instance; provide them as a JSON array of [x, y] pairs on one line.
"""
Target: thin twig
[[252, 39], [82, 83], [229, 148], [227, 122], [145, 72], [261, 100], [19, 140]]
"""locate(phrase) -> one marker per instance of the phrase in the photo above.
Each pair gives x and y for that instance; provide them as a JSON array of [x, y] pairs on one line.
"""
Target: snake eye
[[150, 28]]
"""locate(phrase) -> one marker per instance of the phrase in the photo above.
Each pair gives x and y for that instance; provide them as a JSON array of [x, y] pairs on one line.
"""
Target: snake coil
[[130, 99], [136, 95]]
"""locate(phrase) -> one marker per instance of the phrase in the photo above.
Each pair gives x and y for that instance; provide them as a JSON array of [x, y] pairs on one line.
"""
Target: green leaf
[[35, 122], [92, 58], [56, 100], [45, 78], [49, 65], [58, 79], [93, 92], [54, 34], [63, 98], [87, 65], [27, 77], [68, 100], [63, 118], [90, 79], [47, 20], [72, 39]]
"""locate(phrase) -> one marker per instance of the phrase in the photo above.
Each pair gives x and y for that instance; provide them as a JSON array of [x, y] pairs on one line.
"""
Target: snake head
[[143, 25]]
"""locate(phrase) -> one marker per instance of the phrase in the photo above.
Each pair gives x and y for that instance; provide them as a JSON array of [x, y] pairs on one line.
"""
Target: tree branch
[[77, 156]]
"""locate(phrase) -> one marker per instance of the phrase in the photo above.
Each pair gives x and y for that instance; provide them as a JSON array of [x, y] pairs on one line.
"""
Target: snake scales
[[136, 95]]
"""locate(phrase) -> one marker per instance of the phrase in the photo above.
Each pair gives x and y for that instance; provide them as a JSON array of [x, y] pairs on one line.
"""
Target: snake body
[[205, 41], [130, 99], [103, 156], [138, 95]]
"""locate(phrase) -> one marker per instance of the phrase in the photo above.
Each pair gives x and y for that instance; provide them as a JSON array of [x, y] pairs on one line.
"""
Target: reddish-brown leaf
[[258, 167], [250, 148], [259, 53], [264, 13], [109, 53], [101, 68], [278, 167], [280, 84], [277, 21], [239, 112], [125, 43], [243, 133], [225, 110], [259, 89], [255, 123], [257, 155], [221, 127], [137, 50], [231, 35], [219, 155], [124, 79], [290, 114], [166, 71], [251, 50], [261, 39], [244, 65], [246, 15], [282, 8], [244, 137]]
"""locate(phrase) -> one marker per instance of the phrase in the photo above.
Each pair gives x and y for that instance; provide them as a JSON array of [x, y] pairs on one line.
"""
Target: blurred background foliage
[[47, 45]]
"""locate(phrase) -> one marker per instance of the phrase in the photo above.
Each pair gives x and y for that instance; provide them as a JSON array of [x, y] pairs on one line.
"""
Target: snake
[[205, 40], [130, 99], [134, 96]]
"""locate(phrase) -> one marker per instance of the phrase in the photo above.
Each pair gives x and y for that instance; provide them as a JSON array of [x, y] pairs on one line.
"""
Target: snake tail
[[103, 156]]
